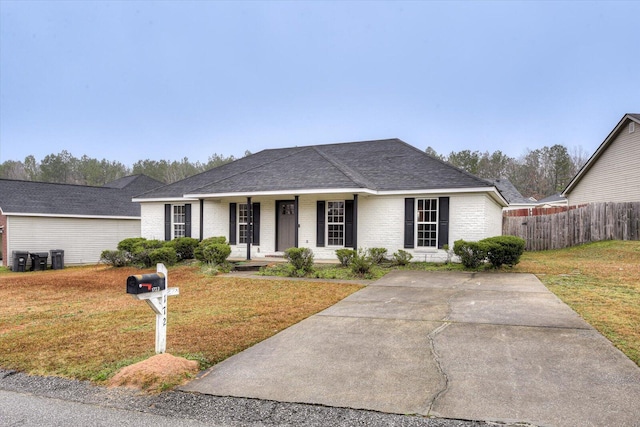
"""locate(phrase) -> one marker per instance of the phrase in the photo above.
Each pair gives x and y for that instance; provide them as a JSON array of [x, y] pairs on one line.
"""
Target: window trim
[[329, 223], [174, 223], [435, 223], [242, 237]]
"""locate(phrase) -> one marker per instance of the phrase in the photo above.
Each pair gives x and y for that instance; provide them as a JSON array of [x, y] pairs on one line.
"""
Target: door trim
[[277, 219]]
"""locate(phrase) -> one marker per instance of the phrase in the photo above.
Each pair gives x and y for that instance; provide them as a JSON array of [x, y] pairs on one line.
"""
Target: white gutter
[[165, 199], [284, 192], [71, 216], [495, 194]]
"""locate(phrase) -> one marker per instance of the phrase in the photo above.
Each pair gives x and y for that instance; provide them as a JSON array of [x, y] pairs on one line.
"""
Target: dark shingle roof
[[553, 198], [44, 198], [509, 191], [134, 184], [381, 165]]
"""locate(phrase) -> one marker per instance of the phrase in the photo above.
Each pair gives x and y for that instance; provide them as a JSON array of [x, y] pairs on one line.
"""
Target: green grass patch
[[601, 282]]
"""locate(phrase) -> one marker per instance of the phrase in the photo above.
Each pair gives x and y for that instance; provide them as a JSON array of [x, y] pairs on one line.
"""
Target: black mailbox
[[143, 283]]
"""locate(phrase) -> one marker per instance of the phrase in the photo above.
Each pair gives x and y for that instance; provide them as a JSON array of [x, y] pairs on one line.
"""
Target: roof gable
[[601, 149]]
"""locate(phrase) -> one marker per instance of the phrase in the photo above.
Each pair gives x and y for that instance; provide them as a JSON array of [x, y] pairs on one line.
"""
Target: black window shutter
[[409, 222], [320, 224], [443, 222], [187, 220], [232, 223], [256, 223], [348, 223], [167, 222]]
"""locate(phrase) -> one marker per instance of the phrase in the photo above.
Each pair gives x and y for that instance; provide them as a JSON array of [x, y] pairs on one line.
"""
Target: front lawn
[[80, 323], [601, 282]]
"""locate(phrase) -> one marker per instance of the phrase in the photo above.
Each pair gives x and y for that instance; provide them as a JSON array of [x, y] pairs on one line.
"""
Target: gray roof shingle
[[44, 198], [552, 198], [380, 165], [510, 192]]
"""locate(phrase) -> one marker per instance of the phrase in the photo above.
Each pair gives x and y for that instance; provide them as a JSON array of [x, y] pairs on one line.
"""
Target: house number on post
[[154, 289]]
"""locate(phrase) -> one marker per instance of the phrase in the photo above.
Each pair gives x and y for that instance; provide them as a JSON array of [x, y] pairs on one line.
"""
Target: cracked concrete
[[487, 346]]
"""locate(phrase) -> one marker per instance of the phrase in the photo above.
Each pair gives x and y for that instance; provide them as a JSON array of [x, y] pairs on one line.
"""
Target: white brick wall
[[380, 223], [152, 220]]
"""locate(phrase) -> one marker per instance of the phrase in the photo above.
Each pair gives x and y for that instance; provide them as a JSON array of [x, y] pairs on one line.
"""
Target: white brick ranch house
[[382, 193]]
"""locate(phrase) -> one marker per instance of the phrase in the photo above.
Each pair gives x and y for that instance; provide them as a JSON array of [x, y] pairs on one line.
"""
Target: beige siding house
[[612, 174], [80, 220]]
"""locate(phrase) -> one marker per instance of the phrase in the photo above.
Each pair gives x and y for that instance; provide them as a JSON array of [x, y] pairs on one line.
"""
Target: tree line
[[537, 173], [64, 168]]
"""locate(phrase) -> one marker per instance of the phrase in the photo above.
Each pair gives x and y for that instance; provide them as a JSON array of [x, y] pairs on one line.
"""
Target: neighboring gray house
[[81, 220], [513, 196], [553, 201], [382, 193], [612, 174]]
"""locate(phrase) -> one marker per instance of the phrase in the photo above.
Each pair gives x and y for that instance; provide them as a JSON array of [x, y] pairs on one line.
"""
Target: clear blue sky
[[165, 80]]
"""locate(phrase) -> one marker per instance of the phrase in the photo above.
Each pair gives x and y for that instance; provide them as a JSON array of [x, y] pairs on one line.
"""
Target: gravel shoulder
[[213, 410]]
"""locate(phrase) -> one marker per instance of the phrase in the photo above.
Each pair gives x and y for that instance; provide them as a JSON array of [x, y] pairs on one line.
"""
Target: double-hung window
[[179, 221], [243, 222], [335, 223], [427, 223]]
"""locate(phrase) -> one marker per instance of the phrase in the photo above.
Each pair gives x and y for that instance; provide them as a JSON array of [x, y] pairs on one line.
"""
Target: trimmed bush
[[401, 257], [117, 258], [504, 250], [345, 256], [215, 253], [128, 245], [378, 255], [472, 254], [300, 260], [197, 252], [361, 263], [184, 247], [165, 255]]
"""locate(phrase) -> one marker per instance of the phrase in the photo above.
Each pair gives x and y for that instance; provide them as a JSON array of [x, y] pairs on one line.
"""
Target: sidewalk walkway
[[475, 346]]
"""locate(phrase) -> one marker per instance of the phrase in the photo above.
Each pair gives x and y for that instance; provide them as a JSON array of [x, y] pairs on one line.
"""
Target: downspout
[[249, 227], [355, 222], [201, 219], [295, 209]]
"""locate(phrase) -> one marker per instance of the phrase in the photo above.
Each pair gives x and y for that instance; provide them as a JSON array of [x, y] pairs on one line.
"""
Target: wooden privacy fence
[[576, 225]]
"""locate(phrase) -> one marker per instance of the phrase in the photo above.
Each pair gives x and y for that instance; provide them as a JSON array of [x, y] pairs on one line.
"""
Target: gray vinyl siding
[[82, 239], [615, 176]]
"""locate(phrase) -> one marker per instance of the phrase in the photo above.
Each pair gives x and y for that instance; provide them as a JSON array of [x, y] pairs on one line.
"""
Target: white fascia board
[[492, 191], [71, 216], [165, 200], [284, 193]]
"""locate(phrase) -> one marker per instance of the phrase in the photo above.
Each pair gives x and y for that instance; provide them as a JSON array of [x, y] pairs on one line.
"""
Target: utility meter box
[[145, 283]]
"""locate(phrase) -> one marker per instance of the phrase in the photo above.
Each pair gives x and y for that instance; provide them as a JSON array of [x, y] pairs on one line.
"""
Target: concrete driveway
[[475, 346]]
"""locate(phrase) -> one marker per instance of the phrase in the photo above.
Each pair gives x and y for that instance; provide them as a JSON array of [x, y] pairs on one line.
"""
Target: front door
[[286, 225]]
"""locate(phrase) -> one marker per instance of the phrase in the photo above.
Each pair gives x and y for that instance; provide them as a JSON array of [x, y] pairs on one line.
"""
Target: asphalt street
[[30, 401]]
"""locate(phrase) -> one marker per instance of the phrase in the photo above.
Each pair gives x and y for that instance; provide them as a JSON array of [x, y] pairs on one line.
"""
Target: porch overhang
[[491, 191], [282, 193]]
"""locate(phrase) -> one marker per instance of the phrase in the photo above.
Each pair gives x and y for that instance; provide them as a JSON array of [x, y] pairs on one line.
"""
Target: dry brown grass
[[80, 323], [601, 282]]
